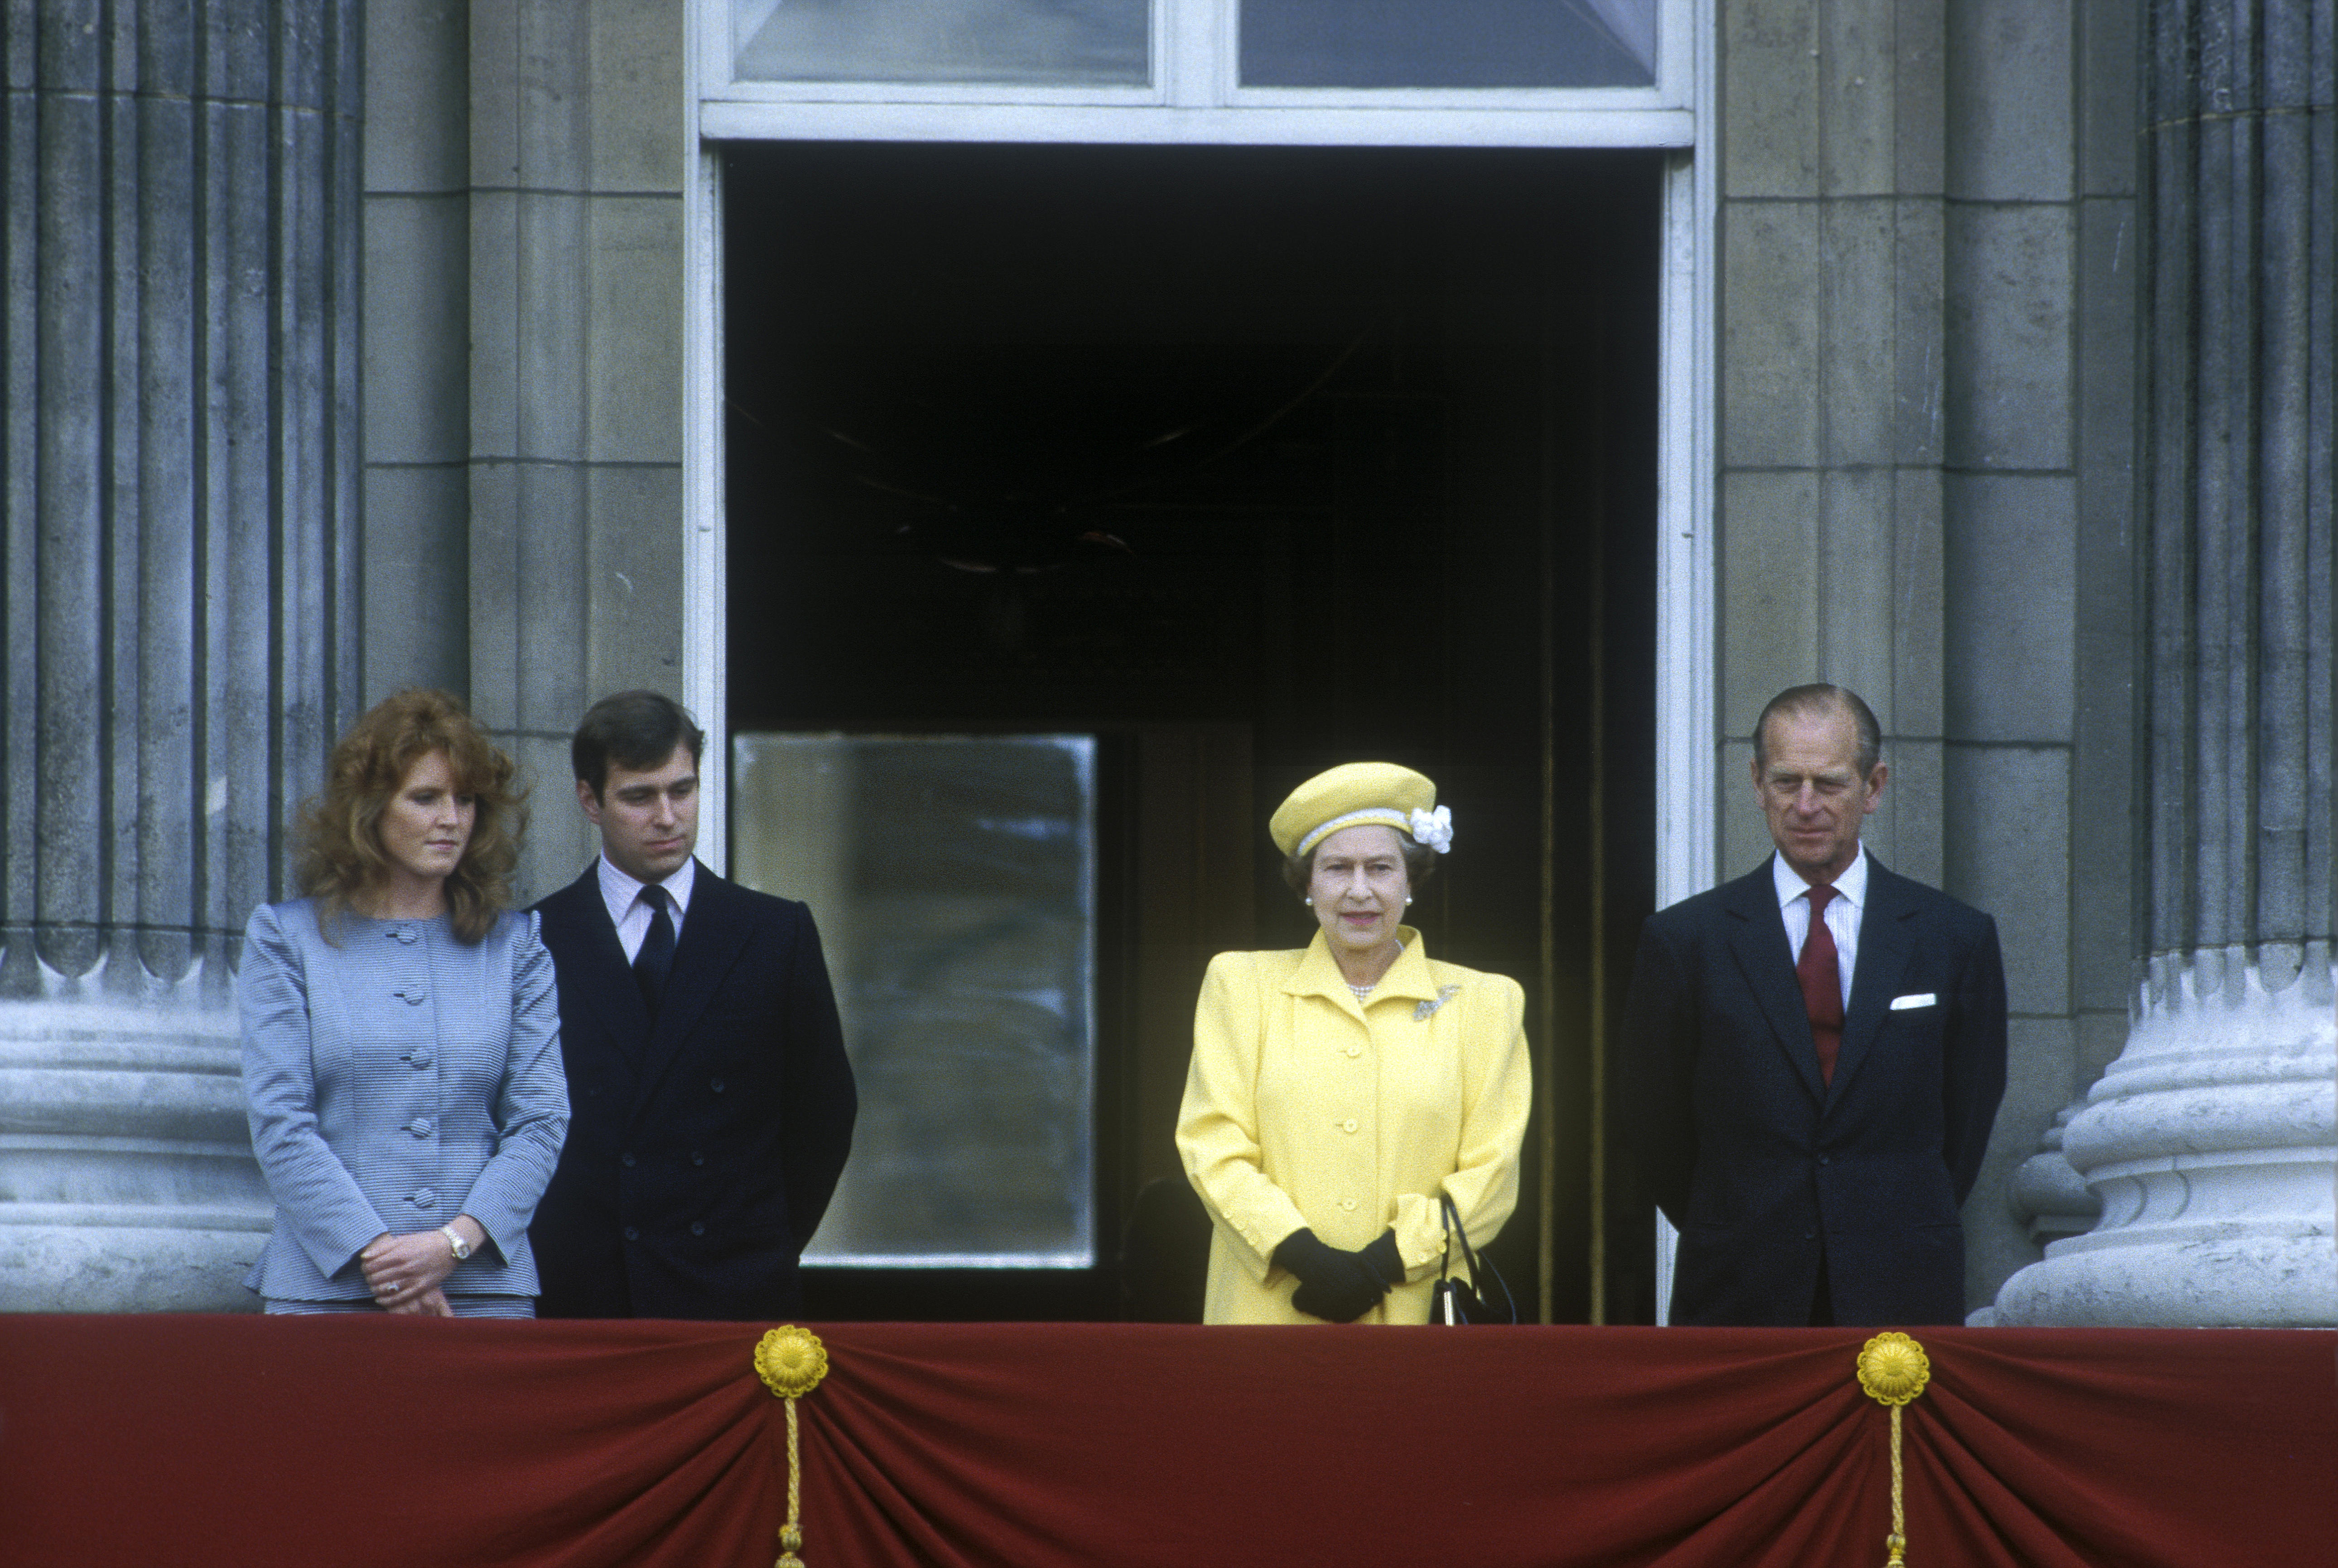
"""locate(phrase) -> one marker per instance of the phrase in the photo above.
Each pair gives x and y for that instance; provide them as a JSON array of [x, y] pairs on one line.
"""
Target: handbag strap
[[1478, 1272], [1453, 1228]]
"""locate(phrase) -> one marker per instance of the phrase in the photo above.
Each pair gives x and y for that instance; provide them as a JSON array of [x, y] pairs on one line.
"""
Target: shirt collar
[[1850, 886], [1318, 971], [619, 888]]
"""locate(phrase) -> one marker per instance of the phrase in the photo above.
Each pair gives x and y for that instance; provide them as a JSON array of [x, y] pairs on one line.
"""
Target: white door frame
[[1197, 106]]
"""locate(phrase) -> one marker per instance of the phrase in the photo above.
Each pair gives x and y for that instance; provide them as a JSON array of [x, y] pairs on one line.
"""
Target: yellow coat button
[[1348, 1125]]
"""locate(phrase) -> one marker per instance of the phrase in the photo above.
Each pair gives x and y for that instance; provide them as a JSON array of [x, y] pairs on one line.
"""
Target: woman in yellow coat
[[1337, 1091]]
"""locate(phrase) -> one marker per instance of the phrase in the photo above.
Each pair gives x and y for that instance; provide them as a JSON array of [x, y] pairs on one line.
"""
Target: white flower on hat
[[1434, 828]]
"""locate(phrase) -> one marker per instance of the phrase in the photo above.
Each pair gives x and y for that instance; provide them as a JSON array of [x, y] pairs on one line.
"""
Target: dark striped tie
[[655, 962]]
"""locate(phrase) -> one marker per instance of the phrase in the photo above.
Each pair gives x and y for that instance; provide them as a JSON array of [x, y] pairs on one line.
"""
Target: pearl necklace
[[1364, 993]]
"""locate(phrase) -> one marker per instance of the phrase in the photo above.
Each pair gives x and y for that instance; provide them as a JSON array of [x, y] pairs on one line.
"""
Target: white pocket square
[[1913, 999]]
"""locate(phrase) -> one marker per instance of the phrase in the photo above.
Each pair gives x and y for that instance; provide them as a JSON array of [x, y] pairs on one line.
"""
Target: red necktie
[[1820, 973]]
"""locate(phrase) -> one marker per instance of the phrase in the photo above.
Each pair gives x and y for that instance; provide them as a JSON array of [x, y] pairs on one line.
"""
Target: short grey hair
[[1813, 700]]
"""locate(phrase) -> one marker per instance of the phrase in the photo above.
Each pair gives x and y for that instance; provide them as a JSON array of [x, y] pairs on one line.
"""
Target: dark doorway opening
[[1246, 461]]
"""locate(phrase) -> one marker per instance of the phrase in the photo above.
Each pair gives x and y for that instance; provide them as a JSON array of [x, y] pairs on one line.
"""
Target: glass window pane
[[1448, 42], [952, 877], [1038, 42]]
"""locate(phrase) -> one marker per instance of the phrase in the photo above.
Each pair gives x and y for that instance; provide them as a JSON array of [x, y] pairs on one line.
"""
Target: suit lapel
[[711, 936], [1887, 938], [600, 975], [1757, 939]]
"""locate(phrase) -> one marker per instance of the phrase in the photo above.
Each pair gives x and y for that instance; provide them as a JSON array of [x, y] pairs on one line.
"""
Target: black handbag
[[1459, 1302]]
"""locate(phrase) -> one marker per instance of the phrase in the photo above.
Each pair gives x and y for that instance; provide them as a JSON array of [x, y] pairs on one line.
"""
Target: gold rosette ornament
[[792, 1361], [1894, 1369]]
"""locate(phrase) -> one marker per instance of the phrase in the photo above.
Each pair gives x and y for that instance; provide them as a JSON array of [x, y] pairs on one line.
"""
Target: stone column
[[179, 402], [2213, 1140]]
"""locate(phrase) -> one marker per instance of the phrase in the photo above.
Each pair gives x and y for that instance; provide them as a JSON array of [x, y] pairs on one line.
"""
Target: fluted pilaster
[[179, 361], [2213, 1140]]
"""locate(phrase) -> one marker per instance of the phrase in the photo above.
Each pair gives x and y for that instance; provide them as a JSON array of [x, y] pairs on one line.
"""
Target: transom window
[[1447, 43], [1281, 59], [1011, 43]]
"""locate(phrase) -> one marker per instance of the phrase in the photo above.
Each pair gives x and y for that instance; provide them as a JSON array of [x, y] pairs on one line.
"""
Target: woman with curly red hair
[[401, 1051]]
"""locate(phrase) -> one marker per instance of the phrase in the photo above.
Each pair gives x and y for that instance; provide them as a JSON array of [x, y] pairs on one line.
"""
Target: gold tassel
[[1894, 1369], [792, 1361]]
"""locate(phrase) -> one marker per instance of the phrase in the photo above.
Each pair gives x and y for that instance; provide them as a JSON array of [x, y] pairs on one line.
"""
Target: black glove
[[1336, 1286]]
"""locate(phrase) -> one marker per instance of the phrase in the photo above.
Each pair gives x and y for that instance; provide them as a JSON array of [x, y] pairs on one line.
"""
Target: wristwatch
[[455, 1239]]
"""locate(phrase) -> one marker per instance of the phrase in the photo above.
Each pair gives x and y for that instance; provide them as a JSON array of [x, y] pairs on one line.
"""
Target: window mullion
[[1193, 36]]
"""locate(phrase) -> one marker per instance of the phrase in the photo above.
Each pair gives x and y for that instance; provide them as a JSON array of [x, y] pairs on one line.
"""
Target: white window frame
[[1193, 98]]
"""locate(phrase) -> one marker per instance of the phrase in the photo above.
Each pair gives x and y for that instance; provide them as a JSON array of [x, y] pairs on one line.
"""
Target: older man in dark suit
[[712, 1102], [1814, 1054]]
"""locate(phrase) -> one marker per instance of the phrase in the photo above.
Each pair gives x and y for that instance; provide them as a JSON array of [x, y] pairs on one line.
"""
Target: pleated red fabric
[[354, 1442]]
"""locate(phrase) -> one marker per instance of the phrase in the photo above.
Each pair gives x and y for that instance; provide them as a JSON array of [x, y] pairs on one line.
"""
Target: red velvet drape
[[344, 1442]]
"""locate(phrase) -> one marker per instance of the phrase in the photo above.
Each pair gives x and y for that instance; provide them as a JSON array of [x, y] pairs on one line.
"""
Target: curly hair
[[341, 858]]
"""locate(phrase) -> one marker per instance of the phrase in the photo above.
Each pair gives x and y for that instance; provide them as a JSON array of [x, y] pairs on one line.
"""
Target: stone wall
[[1925, 432], [1926, 415], [524, 332]]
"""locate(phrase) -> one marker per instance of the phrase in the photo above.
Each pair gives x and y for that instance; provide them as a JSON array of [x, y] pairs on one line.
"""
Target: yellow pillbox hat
[[1355, 793]]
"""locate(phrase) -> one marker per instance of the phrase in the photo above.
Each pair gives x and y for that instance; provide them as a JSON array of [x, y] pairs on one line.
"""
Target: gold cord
[[792, 1361], [791, 1533], [1898, 1540], [1894, 1369]]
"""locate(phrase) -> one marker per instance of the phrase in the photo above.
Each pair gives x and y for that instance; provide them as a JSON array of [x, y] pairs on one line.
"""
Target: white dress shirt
[[1843, 911], [632, 914]]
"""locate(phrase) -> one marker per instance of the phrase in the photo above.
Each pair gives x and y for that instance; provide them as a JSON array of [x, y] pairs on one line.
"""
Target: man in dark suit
[[712, 1102], [1811, 1094]]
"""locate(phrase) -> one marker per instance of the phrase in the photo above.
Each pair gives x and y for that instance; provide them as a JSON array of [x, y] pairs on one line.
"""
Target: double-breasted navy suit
[[1765, 1167], [703, 1151]]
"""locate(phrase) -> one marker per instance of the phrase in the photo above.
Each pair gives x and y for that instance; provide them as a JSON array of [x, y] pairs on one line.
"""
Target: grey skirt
[[464, 1306]]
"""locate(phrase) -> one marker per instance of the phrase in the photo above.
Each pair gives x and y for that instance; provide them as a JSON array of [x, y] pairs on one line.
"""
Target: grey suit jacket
[[393, 1081]]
